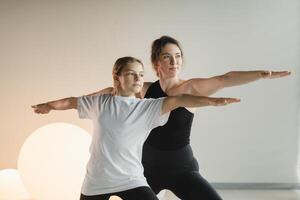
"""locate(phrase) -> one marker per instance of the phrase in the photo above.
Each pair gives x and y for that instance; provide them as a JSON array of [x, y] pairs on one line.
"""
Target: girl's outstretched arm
[[171, 103], [209, 86], [62, 104]]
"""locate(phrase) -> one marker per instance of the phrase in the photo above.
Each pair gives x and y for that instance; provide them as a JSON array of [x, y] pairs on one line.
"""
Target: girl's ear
[[116, 78]]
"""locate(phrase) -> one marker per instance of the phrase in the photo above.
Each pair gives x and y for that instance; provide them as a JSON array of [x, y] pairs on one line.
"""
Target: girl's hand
[[223, 101], [272, 74], [43, 108]]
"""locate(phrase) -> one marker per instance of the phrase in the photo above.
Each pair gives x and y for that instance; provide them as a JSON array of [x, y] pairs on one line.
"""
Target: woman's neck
[[167, 84]]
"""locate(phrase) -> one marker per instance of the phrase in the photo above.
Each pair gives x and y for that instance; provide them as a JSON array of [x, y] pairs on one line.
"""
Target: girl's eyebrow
[[127, 70]]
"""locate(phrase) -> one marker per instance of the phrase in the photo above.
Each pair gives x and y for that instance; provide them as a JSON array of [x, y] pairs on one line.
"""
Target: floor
[[248, 195]]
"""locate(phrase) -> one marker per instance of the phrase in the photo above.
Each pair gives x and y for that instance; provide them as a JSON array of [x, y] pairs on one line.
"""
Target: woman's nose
[[173, 60]]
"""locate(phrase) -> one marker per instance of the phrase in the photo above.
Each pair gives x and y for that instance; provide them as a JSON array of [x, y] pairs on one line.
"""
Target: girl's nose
[[137, 77]]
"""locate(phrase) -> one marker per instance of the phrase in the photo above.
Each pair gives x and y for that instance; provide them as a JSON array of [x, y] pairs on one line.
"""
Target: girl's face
[[131, 79], [170, 61]]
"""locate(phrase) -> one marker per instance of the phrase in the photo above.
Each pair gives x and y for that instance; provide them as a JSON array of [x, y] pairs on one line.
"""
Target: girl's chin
[[136, 91]]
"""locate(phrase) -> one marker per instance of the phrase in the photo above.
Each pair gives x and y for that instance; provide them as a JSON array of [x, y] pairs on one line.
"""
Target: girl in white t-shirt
[[122, 123]]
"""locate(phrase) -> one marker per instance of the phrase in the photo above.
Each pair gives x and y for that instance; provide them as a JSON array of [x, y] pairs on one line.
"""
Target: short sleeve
[[153, 116], [88, 106]]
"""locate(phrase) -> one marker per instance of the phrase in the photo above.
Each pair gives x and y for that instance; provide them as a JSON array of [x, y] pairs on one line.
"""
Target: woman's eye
[[166, 57], [178, 56]]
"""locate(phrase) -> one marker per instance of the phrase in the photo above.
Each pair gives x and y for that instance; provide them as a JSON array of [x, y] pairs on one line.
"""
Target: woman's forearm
[[235, 78]]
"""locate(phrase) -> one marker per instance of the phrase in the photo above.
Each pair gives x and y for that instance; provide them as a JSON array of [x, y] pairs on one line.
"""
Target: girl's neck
[[167, 84], [125, 94]]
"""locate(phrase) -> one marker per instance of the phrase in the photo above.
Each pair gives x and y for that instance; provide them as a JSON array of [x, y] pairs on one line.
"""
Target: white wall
[[53, 49]]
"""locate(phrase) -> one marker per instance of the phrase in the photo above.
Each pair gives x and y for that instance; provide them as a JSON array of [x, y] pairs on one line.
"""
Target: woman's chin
[[172, 74]]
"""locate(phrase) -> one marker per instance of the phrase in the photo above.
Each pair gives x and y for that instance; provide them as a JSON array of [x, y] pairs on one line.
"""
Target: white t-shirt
[[121, 126]]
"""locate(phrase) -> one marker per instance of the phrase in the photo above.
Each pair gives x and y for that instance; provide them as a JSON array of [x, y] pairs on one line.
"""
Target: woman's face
[[170, 62], [131, 79]]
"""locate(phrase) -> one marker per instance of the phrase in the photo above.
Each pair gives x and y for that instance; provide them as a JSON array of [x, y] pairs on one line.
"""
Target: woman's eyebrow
[[169, 53]]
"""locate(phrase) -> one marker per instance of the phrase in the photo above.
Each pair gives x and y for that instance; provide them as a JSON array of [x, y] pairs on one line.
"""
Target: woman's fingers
[[274, 74], [280, 74]]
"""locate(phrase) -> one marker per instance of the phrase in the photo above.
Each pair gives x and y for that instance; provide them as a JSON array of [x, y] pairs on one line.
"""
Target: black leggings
[[177, 171], [139, 193]]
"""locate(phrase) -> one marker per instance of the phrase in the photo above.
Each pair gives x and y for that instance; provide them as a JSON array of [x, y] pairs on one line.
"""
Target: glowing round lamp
[[52, 161], [11, 186], [114, 198]]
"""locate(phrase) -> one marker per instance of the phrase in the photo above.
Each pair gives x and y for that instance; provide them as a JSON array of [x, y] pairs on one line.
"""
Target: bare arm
[[111, 90], [108, 90], [144, 90], [62, 104], [209, 86], [171, 103]]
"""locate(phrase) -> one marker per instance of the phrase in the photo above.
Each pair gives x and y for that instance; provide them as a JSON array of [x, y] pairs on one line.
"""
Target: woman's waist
[[155, 157]]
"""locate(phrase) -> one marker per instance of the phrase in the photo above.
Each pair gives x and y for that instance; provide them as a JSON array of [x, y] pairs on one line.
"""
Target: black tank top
[[175, 134]]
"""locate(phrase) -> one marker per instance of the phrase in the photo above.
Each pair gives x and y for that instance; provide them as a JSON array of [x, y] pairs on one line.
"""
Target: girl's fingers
[[233, 100]]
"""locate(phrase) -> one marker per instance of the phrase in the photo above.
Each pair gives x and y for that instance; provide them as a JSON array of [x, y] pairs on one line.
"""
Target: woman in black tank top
[[167, 155]]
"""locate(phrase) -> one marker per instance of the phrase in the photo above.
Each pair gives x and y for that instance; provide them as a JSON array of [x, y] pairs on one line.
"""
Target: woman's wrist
[[266, 74]]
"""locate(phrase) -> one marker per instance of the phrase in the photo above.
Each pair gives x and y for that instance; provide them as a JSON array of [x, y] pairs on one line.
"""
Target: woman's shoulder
[[144, 89], [182, 87]]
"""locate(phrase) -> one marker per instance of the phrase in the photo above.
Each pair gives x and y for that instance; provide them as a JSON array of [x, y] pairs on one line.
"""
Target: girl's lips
[[137, 84], [173, 68]]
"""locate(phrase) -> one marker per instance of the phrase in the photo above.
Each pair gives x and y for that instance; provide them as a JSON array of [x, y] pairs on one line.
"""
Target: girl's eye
[[141, 75], [178, 56], [130, 73], [166, 56]]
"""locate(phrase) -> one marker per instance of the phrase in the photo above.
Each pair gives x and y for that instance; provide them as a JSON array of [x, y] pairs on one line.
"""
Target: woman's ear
[[156, 66]]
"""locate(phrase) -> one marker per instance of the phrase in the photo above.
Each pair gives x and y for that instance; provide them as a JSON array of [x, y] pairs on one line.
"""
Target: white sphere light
[[52, 161], [114, 198], [11, 186]]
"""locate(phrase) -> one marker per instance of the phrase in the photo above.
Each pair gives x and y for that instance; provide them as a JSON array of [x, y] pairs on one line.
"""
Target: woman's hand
[[273, 74]]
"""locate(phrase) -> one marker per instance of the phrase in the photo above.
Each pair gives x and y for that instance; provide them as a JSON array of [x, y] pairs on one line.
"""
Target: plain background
[[55, 49]]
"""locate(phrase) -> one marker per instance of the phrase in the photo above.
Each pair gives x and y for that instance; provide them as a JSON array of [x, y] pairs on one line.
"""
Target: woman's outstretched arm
[[111, 90], [171, 103], [108, 90], [209, 86], [62, 104]]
